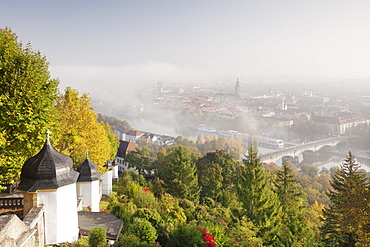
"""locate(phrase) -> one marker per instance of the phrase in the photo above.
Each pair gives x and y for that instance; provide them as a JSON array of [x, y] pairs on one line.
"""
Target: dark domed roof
[[88, 171], [48, 169]]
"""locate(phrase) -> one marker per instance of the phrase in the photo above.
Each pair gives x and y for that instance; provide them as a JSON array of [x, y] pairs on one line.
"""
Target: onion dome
[[88, 171], [48, 169]]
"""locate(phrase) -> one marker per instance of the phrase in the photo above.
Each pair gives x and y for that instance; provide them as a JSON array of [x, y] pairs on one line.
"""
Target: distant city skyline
[[110, 48]]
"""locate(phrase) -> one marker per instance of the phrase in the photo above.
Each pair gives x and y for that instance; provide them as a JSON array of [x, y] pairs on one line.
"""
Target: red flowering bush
[[204, 231], [211, 244], [207, 237], [147, 191]]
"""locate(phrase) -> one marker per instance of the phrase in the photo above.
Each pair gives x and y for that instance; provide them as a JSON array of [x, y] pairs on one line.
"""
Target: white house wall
[[115, 171], [61, 219], [107, 183], [90, 193]]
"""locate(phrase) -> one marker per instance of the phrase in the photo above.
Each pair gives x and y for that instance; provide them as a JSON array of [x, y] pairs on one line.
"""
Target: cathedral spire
[[237, 88]]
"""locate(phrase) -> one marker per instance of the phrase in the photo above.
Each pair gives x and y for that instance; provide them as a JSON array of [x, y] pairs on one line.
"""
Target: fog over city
[[185, 123], [113, 49]]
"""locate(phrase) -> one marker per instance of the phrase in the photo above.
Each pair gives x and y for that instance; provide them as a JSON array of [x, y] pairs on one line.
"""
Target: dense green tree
[[80, 130], [210, 177], [217, 173], [27, 96], [229, 167], [140, 160], [294, 230], [260, 202], [347, 218], [177, 168]]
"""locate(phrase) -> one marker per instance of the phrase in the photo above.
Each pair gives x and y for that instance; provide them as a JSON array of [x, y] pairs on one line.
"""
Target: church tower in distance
[[237, 88]]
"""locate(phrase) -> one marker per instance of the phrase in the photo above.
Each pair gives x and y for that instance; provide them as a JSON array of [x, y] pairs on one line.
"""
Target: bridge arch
[[299, 149]]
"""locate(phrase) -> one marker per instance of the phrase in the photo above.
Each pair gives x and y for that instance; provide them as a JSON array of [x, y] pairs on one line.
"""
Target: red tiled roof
[[134, 133], [125, 147]]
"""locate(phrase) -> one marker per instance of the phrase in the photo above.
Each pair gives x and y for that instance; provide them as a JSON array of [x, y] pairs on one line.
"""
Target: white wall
[[115, 171], [107, 183], [61, 219], [90, 193]]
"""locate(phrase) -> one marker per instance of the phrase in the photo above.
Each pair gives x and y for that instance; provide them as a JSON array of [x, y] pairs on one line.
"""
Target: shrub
[[170, 210], [209, 202], [189, 209], [184, 235], [123, 210], [83, 242], [131, 190], [112, 201], [143, 230], [145, 199], [97, 237], [201, 212], [150, 215], [217, 230], [127, 240], [244, 234]]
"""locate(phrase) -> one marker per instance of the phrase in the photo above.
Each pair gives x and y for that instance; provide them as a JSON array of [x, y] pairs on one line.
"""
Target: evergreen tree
[[27, 96], [259, 201], [210, 176], [229, 168], [178, 170], [294, 230], [347, 219], [217, 173]]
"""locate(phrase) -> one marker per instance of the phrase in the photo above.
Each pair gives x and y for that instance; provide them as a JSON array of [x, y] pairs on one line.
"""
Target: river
[[326, 160]]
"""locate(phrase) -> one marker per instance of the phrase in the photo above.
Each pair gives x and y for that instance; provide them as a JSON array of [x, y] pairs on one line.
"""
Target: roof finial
[[87, 155], [47, 135]]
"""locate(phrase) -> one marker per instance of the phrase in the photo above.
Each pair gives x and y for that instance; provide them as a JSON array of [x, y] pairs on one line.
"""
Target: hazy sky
[[111, 46]]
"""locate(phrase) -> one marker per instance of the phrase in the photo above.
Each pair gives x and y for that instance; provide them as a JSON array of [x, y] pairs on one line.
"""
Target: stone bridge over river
[[299, 149]]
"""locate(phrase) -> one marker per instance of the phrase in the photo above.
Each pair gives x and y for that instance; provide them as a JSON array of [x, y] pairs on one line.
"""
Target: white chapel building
[[48, 181], [50, 213], [88, 184]]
